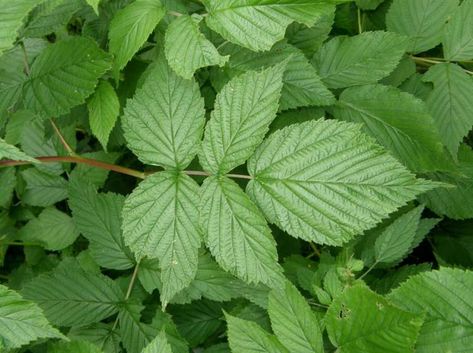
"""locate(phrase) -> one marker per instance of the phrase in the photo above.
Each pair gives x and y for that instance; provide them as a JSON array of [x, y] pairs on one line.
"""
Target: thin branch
[[368, 270], [129, 290], [360, 26], [314, 249], [67, 147], [433, 61]]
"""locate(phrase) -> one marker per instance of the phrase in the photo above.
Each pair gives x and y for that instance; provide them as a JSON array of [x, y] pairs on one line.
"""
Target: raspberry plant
[[236, 176]]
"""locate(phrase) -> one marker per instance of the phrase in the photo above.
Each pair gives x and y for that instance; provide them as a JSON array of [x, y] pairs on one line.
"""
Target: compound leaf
[[324, 181]]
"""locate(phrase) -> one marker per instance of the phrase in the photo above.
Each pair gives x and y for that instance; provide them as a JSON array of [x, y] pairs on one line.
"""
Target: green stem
[[368, 270], [133, 278], [360, 25]]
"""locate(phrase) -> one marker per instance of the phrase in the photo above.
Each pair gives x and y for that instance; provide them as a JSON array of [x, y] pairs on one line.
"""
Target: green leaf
[[159, 345], [244, 108], [362, 59], [94, 4], [102, 335], [450, 103], [54, 229], [444, 296], [362, 321], [454, 202], [43, 189], [398, 121], [258, 24], [135, 335], [368, 4], [396, 239], [22, 321], [248, 337], [8, 151], [293, 321], [104, 109], [236, 233], [98, 218], [458, 38], [423, 21], [64, 75], [301, 83], [187, 50], [11, 83], [8, 182], [163, 123], [160, 221], [12, 16], [51, 16], [324, 181], [86, 297], [73, 347], [131, 27]]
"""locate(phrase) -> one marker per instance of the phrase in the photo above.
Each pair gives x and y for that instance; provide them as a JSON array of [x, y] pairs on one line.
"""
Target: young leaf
[[458, 38], [237, 234], [85, 297], [159, 345], [302, 85], [324, 181], [131, 27], [450, 103], [8, 151], [398, 120], [98, 217], [53, 229], [160, 221], [360, 320], [362, 59], [244, 108], [184, 40], [64, 75], [258, 24], [163, 123], [423, 21], [104, 108], [22, 321], [248, 337], [396, 240], [293, 321], [444, 295], [11, 18]]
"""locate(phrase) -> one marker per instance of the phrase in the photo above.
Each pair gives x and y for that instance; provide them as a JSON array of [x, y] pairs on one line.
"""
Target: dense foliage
[[281, 176]]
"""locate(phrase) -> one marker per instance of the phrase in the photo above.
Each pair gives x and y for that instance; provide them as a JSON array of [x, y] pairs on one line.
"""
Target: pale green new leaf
[[445, 296], [454, 202], [244, 108], [187, 49], [450, 103], [258, 24], [94, 4], [360, 320], [398, 121], [362, 59], [54, 229], [236, 233], [64, 75], [12, 14], [74, 347], [396, 239], [160, 221], [248, 337], [104, 109], [86, 297], [325, 181], [458, 38], [159, 345], [423, 21], [22, 321], [8, 151], [163, 122], [43, 189], [293, 321], [302, 85], [131, 27], [98, 217]]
